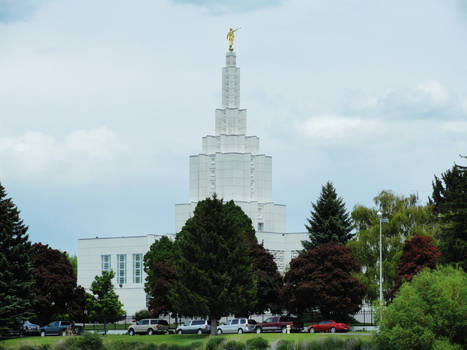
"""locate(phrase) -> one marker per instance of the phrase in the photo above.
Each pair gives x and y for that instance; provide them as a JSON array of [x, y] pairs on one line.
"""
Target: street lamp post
[[381, 220]]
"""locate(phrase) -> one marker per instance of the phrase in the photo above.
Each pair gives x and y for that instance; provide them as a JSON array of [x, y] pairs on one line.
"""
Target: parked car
[[328, 326], [29, 328], [57, 328], [149, 326], [237, 325], [194, 326], [279, 324]]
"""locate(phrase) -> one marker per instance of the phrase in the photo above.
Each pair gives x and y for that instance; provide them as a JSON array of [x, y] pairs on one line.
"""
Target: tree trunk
[[213, 320]]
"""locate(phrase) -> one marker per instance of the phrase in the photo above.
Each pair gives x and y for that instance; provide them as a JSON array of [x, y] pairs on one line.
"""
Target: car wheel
[[219, 331], [258, 330], [131, 332], [63, 333], [179, 332], [284, 330], [333, 330], [42, 333], [240, 331], [200, 331], [312, 330], [150, 331]]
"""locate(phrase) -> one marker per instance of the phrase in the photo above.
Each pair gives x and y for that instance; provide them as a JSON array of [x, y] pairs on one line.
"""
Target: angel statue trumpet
[[231, 37]]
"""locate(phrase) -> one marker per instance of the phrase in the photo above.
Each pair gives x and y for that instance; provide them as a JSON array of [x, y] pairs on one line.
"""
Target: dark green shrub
[[164, 346], [332, 343], [134, 345], [214, 342], [444, 344], [196, 345], [150, 346], [284, 345], [89, 341], [433, 306], [27, 347], [257, 343], [233, 345]]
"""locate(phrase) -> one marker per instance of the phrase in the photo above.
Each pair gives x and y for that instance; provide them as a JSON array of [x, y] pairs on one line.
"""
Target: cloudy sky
[[102, 102]]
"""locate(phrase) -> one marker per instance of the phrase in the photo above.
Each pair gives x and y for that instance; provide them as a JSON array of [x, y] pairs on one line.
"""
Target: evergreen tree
[[215, 274], [268, 278], [449, 202], [15, 267], [329, 221], [103, 304]]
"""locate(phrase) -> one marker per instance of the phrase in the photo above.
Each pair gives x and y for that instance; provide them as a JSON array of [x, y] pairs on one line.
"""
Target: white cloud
[[337, 127], [76, 158], [435, 90]]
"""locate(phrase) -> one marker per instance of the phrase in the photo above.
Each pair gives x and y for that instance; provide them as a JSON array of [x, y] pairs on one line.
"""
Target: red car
[[329, 326]]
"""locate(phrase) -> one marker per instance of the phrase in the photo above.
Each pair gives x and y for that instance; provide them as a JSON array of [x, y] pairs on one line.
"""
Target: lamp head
[[380, 214]]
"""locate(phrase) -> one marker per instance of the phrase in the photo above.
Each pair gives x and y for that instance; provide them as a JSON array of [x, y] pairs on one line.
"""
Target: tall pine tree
[[15, 267], [215, 274], [449, 202], [329, 221]]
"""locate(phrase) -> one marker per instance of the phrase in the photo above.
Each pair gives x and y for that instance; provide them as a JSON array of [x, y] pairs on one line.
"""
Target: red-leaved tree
[[322, 278], [418, 252]]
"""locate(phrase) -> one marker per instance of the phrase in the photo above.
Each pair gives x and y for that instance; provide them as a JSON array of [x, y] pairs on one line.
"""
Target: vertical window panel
[[121, 269], [105, 263], [137, 268]]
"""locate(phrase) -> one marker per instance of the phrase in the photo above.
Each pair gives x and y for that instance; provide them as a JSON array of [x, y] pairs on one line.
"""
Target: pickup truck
[[279, 324], [59, 328]]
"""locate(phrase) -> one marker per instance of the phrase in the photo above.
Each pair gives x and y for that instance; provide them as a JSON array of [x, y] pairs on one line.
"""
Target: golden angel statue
[[231, 37]]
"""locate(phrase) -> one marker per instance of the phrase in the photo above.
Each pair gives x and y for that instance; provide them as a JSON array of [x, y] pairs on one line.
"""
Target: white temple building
[[231, 166]]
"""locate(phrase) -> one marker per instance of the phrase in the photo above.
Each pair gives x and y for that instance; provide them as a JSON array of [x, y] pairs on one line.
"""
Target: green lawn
[[179, 339]]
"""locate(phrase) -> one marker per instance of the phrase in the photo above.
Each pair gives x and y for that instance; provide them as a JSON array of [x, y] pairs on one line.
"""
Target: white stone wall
[[131, 294], [283, 246]]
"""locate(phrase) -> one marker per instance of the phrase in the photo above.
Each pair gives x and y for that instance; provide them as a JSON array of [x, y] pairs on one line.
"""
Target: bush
[[142, 314], [284, 345], [233, 345], [214, 342], [257, 343], [444, 344], [89, 341], [66, 344], [433, 306], [27, 347]]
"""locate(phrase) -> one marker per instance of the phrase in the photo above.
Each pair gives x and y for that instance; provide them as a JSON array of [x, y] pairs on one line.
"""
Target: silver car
[[194, 326], [237, 325]]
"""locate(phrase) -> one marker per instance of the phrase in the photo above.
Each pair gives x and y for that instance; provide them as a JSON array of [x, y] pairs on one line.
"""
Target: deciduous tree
[[329, 220], [15, 267], [427, 313], [215, 275], [54, 282], [160, 268], [323, 278], [103, 304], [449, 202], [418, 252], [405, 217]]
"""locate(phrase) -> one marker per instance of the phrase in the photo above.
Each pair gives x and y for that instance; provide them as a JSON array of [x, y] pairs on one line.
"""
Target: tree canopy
[[15, 268], [323, 278], [329, 220], [160, 267], [103, 304], [405, 217], [427, 313], [54, 283], [215, 274], [449, 200], [418, 252]]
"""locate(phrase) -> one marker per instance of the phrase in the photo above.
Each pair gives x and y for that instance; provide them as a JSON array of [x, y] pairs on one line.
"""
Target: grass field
[[181, 339]]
